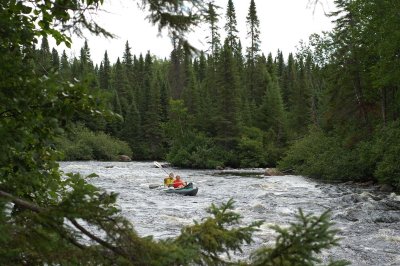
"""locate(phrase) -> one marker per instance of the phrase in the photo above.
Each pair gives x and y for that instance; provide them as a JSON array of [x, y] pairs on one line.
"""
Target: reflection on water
[[369, 221]]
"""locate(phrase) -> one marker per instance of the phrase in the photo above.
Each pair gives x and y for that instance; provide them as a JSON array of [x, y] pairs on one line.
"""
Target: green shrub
[[321, 156], [195, 151], [386, 152], [83, 144], [250, 148]]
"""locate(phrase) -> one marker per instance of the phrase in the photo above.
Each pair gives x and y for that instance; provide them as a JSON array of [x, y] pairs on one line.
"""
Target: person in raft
[[178, 182], [169, 180]]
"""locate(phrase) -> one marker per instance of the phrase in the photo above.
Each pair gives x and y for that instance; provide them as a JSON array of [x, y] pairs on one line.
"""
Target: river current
[[369, 221]]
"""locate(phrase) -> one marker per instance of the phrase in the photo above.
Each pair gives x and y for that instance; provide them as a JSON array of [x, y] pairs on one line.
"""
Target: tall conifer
[[231, 26]]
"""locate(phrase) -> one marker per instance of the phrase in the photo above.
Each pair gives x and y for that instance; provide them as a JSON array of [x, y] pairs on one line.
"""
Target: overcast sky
[[283, 23]]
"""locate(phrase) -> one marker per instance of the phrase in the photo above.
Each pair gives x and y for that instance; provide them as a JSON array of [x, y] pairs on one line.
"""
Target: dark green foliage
[[253, 25], [214, 237], [195, 150], [385, 153], [228, 101], [300, 243], [212, 17], [325, 157], [232, 38], [250, 148], [82, 144]]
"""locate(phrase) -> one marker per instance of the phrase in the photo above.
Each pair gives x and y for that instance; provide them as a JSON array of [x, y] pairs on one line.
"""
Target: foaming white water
[[369, 221]]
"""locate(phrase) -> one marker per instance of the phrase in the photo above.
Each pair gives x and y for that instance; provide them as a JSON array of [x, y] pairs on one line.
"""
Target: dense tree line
[[217, 108], [354, 97]]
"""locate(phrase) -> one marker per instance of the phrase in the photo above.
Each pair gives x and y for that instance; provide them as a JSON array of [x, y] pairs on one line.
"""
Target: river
[[369, 221]]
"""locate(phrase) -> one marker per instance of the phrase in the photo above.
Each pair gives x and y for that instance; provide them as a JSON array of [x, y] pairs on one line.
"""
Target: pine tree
[[120, 85], [175, 73], [190, 90], [231, 27], [55, 60], [65, 68], [228, 101], [271, 66], [253, 33], [44, 60], [212, 18], [299, 101], [271, 114], [130, 130], [280, 68], [86, 64], [151, 120], [105, 73], [289, 80]]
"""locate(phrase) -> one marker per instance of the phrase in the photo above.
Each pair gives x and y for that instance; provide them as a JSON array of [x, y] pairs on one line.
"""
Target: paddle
[[158, 165]]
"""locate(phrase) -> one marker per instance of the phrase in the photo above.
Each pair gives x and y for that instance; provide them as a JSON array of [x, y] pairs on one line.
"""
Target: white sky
[[283, 23]]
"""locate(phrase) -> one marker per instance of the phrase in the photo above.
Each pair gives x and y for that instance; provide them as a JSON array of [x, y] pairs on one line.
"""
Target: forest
[[329, 111]]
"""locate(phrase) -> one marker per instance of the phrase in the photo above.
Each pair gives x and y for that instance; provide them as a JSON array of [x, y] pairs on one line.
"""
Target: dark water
[[369, 221]]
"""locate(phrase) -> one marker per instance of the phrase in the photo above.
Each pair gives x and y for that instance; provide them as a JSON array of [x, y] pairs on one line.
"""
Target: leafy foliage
[[385, 155], [321, 156], [83, 144], [300, 243]]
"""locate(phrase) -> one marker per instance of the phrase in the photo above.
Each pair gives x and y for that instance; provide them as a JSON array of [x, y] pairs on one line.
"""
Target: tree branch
[[95, 238], [30, 206]]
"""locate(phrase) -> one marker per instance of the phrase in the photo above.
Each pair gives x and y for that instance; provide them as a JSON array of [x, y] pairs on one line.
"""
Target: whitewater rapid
[[369, 221]]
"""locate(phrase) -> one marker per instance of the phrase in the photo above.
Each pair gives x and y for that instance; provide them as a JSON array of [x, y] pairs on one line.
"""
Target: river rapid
[[369, 221]]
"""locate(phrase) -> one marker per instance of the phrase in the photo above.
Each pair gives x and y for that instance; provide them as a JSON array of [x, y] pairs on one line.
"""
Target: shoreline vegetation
[[317, 156]]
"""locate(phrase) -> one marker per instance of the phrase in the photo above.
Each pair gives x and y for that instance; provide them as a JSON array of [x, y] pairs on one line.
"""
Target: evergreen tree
[[120, 85], [212, 18], [105, 73], [271, 66], [86, 64], [44, 60], [130, 130], [228, 101], [190, 91], [55, 60], [253, 33], [231, 27], [350, 90], [65, 68], [151, 126], [176, 71], [280, 68], [289, 80]]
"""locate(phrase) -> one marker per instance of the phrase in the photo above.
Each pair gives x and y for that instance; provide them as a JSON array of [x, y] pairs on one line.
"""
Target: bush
[[321, 156], [83, 144], [195, 151], [386, 150], [250, 148]]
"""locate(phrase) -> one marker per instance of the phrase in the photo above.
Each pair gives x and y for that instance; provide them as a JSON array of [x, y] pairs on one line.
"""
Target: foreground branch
[[33, 207]]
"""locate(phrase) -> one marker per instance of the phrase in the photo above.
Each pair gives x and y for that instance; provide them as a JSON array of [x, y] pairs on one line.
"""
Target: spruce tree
[[253, 33], [231, 27], [65, 68], [105, 73], [228, 101], [44, 60], [212, 18], [120, 85], [55, 60]]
